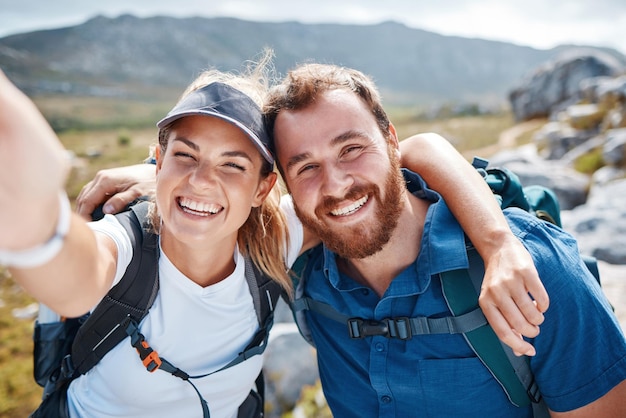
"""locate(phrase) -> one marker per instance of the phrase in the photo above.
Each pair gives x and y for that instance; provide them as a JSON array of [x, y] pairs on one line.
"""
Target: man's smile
[[351, 208]]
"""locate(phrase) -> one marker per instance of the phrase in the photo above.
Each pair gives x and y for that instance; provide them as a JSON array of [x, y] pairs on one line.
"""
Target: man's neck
[[378, 270]]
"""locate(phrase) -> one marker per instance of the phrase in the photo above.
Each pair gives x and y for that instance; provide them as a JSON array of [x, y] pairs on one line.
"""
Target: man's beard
[[369, 237]]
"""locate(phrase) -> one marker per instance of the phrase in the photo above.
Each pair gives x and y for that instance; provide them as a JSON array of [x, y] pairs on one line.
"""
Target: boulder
[[556, 85]]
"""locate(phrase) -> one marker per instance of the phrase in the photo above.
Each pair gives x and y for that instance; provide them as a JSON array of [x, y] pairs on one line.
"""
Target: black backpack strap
[[131, 297], [265, 293]]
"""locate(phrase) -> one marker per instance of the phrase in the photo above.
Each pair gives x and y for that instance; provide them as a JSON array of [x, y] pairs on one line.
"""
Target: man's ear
[[264, 189], [393, 136], [394, 144]]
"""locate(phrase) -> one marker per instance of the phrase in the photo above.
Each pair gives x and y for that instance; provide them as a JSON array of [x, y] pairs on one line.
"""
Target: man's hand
[[512, 297], [115, 188]]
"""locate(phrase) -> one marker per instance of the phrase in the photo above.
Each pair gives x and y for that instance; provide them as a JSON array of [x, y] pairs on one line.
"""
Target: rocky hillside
[[113, 55], [581, 151]]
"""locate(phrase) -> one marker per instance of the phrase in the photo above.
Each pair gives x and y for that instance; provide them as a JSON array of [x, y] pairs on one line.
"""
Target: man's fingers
[[119, 201], [92, 195]]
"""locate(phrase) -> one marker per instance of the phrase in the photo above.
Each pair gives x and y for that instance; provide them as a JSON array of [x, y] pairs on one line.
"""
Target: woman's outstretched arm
[[50, 252]]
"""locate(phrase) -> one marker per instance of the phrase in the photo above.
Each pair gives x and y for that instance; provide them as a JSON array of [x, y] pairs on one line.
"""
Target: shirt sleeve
[[581, 349], [111, 227], [294, 226]]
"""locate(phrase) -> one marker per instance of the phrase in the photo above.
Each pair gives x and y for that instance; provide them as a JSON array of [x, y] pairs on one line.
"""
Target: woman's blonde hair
[[263, 237]]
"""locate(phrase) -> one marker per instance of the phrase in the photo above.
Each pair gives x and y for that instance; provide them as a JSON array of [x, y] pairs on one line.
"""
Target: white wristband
[[41, 254]]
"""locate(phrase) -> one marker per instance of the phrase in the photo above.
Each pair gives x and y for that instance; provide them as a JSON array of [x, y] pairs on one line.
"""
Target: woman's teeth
[[198, 208]]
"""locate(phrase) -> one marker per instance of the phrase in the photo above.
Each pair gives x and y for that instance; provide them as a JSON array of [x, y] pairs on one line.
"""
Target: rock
[[557, 138], [585, 116], [290, 364], [556, 85], [599, 226], [614, 151], [569, 185]]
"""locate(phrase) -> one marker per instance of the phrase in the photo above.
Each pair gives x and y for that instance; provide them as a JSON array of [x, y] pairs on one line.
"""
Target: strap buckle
[[361, 328], [149, 357], [400, 328], [67, 367]]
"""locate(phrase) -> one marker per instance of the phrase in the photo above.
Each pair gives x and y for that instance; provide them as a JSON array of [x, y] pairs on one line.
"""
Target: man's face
[[342, 173]]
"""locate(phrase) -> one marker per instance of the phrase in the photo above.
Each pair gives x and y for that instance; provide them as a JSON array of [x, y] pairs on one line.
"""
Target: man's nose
[[336, 181]]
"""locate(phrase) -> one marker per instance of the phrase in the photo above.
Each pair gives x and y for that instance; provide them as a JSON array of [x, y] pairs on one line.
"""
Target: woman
[[216, 201]]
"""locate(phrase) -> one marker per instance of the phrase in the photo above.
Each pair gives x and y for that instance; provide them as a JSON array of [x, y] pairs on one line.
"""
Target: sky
[[540, 24]]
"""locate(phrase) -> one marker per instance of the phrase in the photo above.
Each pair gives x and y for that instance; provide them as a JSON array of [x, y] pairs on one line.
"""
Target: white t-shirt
[[197, 329]]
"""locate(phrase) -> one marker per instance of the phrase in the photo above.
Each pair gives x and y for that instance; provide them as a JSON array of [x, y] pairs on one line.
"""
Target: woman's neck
[[204, 264]]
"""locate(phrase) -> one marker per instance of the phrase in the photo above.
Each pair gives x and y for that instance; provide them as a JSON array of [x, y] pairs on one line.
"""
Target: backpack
[[65, 349], [461, 289]]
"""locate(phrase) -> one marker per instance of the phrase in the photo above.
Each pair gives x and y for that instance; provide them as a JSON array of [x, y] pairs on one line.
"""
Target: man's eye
[[306, 168], [353, 149]]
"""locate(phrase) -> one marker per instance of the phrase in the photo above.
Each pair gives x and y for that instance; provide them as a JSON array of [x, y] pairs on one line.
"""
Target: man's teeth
[[199, 208], [350, 208]]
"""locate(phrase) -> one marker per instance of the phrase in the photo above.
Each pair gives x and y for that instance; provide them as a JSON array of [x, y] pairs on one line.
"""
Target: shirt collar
[[443, 241]]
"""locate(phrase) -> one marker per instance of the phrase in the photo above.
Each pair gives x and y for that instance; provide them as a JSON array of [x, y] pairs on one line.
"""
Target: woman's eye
[[181, 154], [235, 166]]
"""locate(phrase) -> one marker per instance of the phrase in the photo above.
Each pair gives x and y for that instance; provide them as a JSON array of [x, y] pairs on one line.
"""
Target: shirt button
[[380, 347], [386, 399], [365, 292]]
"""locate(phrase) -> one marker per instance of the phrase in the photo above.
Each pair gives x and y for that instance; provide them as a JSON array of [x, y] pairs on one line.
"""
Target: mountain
[[120, 56]]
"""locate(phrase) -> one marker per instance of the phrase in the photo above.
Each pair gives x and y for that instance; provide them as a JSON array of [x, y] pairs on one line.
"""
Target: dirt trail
[[507, 139]]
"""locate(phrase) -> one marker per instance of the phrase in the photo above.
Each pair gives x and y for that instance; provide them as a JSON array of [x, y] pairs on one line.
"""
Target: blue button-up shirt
[[580, 356]]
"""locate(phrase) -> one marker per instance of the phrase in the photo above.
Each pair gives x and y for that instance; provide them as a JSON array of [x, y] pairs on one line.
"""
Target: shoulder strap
[[265, 293], [461, 289], [131, 297], [299, 303]]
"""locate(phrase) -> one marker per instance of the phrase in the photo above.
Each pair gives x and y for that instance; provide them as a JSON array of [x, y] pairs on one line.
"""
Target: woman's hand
[[33, 170]]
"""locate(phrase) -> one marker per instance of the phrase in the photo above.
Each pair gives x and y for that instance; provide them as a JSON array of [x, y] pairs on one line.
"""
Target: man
[[339, 158]]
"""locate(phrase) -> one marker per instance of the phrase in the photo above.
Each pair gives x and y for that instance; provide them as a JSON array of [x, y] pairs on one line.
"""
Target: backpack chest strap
[[403, 328]]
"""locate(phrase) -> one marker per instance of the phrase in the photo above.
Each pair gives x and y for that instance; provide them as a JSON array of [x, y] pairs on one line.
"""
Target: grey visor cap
[[225, 102]]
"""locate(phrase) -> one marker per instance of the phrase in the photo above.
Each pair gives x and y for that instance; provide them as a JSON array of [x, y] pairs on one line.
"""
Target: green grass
[[19, 394], [464, 132], [103, 133]]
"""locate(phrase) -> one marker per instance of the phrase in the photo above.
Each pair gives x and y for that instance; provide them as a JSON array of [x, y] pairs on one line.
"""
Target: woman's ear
[[157, 155], [264, 189]]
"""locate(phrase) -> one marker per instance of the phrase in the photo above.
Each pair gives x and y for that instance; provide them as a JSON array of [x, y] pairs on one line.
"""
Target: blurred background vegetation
[[108, 132]]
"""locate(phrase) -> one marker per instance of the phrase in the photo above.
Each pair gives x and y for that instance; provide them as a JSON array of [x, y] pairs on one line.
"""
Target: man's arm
[[115, 188], [510, 275], [611, 405]]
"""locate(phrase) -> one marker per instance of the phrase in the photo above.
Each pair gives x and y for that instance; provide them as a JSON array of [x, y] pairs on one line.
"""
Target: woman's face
[[208, 179]]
